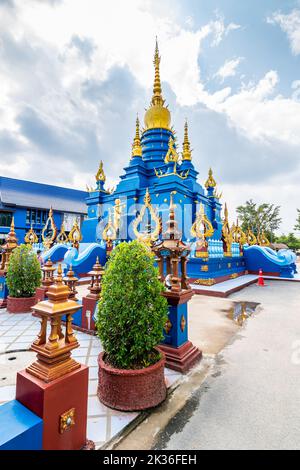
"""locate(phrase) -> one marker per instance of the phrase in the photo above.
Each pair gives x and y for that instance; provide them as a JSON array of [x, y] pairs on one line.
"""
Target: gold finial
[[136, 146], [147, 198], [172, 155], [12, 225], [187, 153], [158, 116], [157, 98], [211, 182], [100, 176]]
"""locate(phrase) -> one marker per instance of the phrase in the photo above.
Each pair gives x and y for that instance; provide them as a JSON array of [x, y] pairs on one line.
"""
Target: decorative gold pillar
[[54, 355], [95, 285], [71, 281]]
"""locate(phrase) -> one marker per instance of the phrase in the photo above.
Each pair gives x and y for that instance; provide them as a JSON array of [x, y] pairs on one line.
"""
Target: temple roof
[[14, 192]]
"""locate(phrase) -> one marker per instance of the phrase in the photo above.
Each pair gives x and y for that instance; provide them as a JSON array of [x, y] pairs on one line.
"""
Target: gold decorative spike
[[217, 195], [210, 182], [251, 238], [109, 233], [31, 237], [149, 236], [202, 229], [172, 155], [226, 234], [136, 146], [75, 235], [158, 115], [62, 237], [49, 231], [262, 239], [100, 176], [238, 235], [187, 153]]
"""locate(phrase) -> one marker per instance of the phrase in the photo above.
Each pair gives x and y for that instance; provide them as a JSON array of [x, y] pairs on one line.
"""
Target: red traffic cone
[[261, 281]]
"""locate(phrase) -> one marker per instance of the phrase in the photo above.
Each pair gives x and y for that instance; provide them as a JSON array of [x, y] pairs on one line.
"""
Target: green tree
[[297, 226], [132, 312], [24, 273], [264, 217], [290, 240]]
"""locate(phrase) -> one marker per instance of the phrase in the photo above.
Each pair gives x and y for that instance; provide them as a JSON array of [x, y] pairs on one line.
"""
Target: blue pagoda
[[139, 205]]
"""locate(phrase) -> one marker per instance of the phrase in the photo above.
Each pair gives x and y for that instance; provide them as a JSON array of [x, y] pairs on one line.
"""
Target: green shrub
[[24, 272], [132, 312]]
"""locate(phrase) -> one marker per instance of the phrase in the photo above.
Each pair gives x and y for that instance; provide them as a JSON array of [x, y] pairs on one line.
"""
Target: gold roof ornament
[[210, 182], [172, 155], [158, 115], [62, 237], [187, 153], [100, 176], [238, 234], [202, 227], [262, 239], [109, 233], [75, 235], [49, 231], [150, 235], [251, 238], [136, 146], [31, 237], [226, 232]]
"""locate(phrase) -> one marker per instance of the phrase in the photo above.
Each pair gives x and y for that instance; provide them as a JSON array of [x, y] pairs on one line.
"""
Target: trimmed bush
[[132, 312], [24, 273]]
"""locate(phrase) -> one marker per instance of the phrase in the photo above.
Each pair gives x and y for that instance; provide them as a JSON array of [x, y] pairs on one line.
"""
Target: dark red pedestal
[[88, 308], [40, 294], [50, 401], [183, 358]]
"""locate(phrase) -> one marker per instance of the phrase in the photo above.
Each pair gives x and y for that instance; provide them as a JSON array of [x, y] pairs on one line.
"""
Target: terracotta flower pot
[[131, 390], [20, 304]]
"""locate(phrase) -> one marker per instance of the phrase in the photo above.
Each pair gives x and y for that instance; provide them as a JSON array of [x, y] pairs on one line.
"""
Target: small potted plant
[[23, 277], [131, 316]]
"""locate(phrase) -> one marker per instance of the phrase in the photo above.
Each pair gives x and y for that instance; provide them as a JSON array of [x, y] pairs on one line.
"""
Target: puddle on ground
[[239, 312]]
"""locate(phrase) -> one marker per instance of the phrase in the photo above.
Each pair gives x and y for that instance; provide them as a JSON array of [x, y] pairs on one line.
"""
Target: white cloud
[[290, 24], [229, 68]]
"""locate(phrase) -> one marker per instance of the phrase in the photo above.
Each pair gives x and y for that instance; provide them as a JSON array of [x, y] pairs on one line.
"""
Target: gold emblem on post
[[210, 182], [168, 326], [66, 420], [100, 176], [182, 323]]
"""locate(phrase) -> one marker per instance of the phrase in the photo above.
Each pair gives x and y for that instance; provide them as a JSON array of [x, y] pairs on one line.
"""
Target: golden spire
[[136, 146], [187, 153], [158, 116], [157, 98], [100, 176], [226, 213], [210, 183]]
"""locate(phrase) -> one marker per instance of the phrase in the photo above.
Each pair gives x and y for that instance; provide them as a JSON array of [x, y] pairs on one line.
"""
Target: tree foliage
[[24, 272], [297, 225], [264, 217], [132, 312], [290, 240]]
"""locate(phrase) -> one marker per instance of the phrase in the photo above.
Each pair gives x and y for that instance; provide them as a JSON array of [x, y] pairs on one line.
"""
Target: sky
[[74, 74]]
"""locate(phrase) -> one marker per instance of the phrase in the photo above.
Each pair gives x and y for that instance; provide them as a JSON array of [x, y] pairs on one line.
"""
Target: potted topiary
[[23, 277], [131, 316]]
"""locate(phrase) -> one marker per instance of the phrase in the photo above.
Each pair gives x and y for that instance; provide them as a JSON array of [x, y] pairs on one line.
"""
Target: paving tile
[[119, 420], [96, 429], [7, 393], [3, 347], [93, 373], [93, 385], [80, 352], [15, 345], [95, 351], [95, 407], [93, 361]]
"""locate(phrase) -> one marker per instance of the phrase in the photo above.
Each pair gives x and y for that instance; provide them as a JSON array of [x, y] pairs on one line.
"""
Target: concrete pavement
[[251, 400]]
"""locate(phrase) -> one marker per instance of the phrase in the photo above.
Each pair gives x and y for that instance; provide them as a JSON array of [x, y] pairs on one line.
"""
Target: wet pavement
[[251, 398]]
